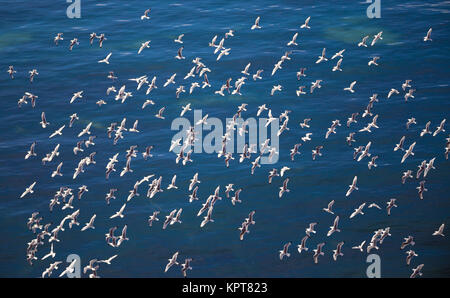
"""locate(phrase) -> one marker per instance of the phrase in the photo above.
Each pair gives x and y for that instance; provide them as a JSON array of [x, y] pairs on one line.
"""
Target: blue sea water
[[27, 29]]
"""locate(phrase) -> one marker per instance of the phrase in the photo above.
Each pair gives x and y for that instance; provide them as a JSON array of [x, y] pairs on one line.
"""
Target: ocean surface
[[27, 29]]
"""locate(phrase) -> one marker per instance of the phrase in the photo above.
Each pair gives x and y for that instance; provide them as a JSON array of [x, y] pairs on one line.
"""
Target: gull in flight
[[373, 61], [338, 54], [360, 247], [417, 271], [31, 151], [106, 60], [322, 57], [292, 41], [391, 92], [284, 188], [76, 95], [284, 252], [350, 88], [57, 132], [338, 65], [172, 261], [338, 251], [145, 16], [144, 45], [352, 187], [428, 36], [362, 43], [318, 252], [28, 190], [119, 213], [69, 269], [178, 40], [440, 231], [305, 25], [439, 128], [256, 25], [90, 224], [302, 246], [179, 55], [376, 38], [334, 227], [358, 210], [108, 261], [408, 152], [50, 254], [171, 80], [329, 207], [229, 33]]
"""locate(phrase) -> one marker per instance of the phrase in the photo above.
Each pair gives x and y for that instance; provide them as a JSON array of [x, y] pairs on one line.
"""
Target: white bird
[[119, 213], [360, 247], [69, 269], [329, 207], [373, 61], [108, 261], [350, 88], [284, 252], [428, 36], [305, 25], [334, 227], [76, 95], [28, 190], [178, 40], [322, 57], [90, 224], [144, 45], [50, 254], [292, 41], [352, 187], [57, 132], [440, 231], [256, 25], [172, 261], [358, 210]]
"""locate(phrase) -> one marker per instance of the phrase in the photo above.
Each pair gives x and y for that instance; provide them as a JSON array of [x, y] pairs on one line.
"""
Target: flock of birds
[[64, 197]]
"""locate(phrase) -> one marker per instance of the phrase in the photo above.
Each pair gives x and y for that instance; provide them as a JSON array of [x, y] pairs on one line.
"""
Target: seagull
[[44, 122], [350, 88], [119, 213], [322, 57], [146, 13], [58, 37], [391, 92], [31, 151], [329, 207], [318, 252], [406, 175], [28, 190], [275, 88], [186, 266], [245, 71], [86, 130], [373, 61], [411, 121], [144, 45], [360, 247], [57, 171], [439, 128], [50, 254], [284, 188], [292, 41], [284, 252], [69, 269], [106, 60], [172, 261], [229, 33], [76, 95], [426, 130], [178, 40], [171, 80], [307, 137], [108, 261], [406, 84], [428, 36], [376, 38], [305, 25], [390, 205], [90, 224], [302, 246], [57, 132], [352, 187], [160, 113], [400, 144], [362, 43], [440, 231], [338, 54], [256, 25], [408, 152], [310, 229], [179, 55], [172, 184], [334, 227], [315, 85], [338, 251], [417, 271], [358, 210], [338, 65]]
